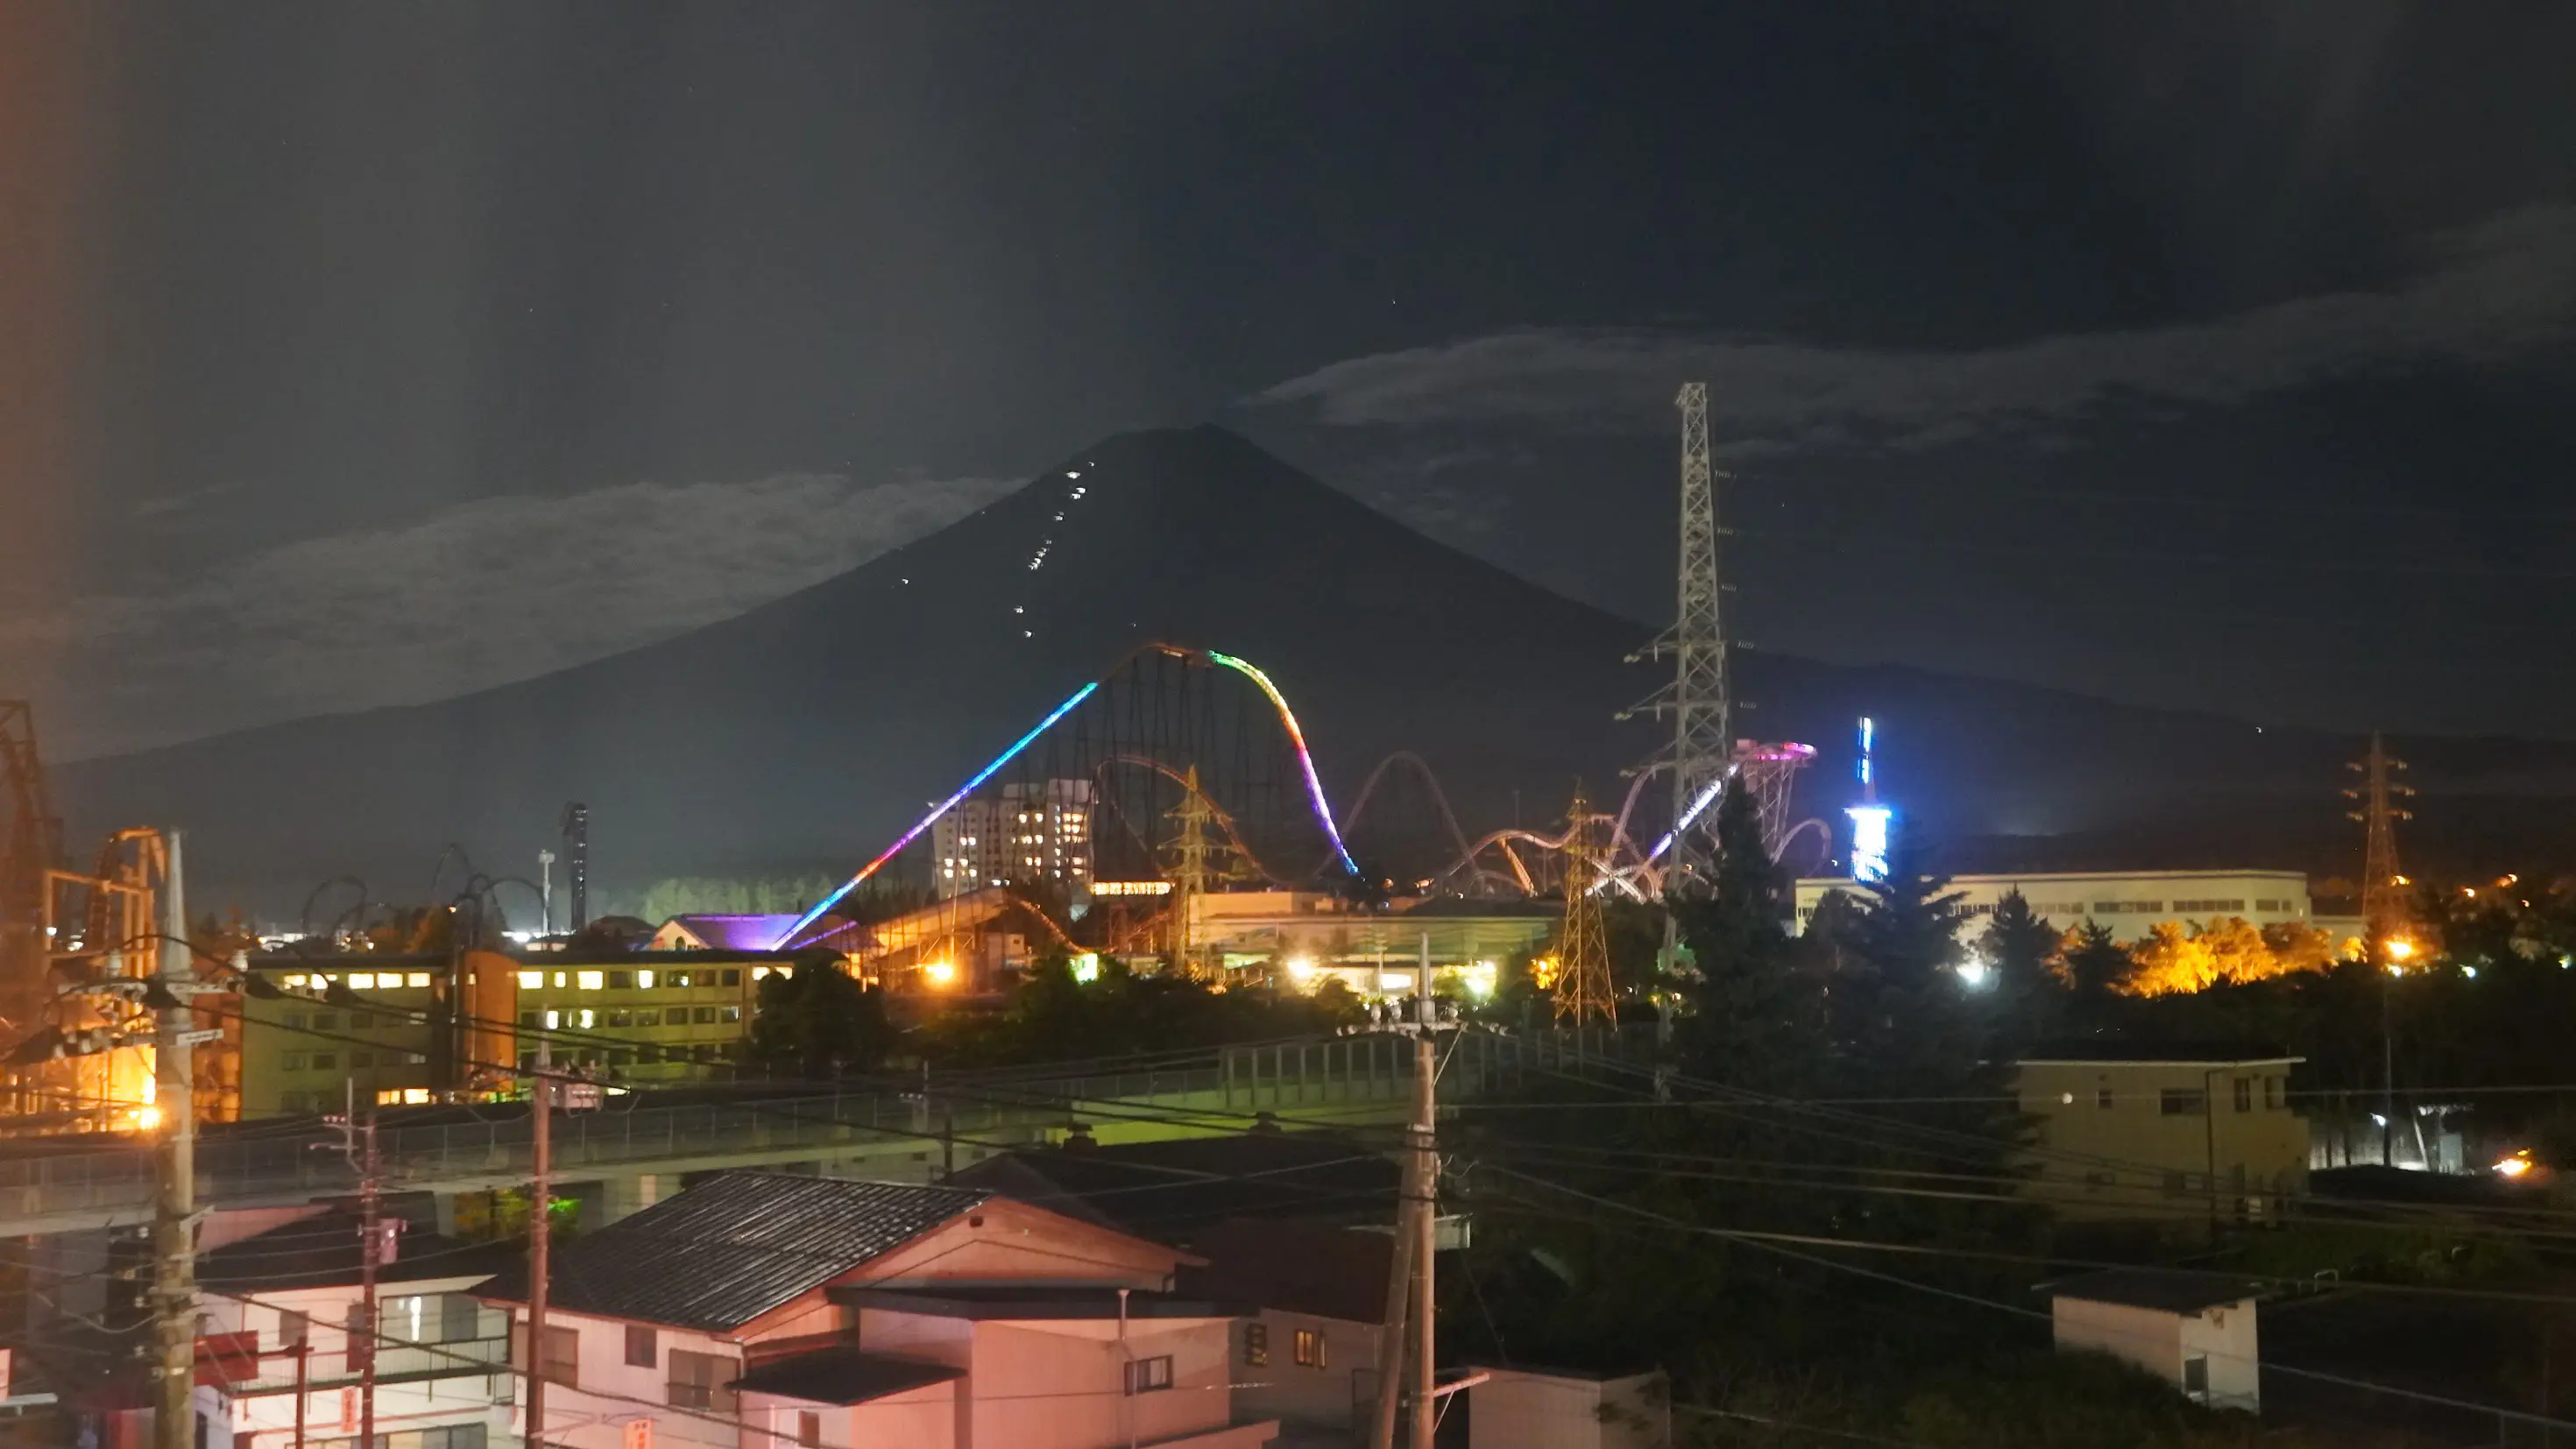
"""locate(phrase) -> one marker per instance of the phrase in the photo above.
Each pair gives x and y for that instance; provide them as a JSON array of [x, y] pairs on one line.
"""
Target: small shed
[[1528, 1408], [2196, 1331]]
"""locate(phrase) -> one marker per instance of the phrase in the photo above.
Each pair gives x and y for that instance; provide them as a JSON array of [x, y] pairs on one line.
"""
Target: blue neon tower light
[[1872, 824]]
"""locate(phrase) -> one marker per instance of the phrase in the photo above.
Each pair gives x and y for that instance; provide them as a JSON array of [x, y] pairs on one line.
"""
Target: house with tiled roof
[[764, 1308]]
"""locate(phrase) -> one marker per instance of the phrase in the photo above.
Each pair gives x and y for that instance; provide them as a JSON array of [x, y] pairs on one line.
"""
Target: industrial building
[[1314, 936], [2130, 903], [2177, 1133]]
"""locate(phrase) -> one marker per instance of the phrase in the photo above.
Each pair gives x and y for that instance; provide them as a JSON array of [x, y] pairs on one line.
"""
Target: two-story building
[[761, 1307], [283, 1318], [2166, 1131]]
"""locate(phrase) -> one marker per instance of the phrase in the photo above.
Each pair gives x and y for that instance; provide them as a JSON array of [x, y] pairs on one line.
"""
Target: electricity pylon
[[1697, 700], [1583, 955], [2383, 883]]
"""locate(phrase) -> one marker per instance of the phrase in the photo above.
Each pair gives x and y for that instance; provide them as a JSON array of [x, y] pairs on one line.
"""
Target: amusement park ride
[[1175, 736]]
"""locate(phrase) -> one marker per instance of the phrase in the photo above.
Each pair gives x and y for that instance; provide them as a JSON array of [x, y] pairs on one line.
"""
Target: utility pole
[[358, 1144], [174, 1225], [1409, 1301], [540, 1193]]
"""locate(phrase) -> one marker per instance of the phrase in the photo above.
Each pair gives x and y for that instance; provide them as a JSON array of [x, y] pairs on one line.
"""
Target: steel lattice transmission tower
[[1191, 873], [1583, 953], [2383, 883], [1697, 700]]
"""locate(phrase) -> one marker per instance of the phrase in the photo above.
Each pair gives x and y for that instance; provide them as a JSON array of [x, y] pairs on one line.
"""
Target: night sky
[[2214, 355]]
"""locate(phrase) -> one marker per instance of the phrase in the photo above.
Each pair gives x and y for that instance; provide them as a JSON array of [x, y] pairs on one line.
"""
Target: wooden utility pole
[[1409, 1277], [540, 1193], [174, 1226]]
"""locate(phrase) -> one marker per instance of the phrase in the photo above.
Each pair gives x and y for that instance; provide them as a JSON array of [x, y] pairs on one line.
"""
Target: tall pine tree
[[1753, 1019]]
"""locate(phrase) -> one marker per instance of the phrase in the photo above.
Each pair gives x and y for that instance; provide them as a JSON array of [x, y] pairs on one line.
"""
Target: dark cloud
[[468, 597], [2494, 293]]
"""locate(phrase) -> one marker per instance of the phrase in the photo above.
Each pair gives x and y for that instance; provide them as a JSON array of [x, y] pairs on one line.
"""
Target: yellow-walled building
[[2183, 1133]]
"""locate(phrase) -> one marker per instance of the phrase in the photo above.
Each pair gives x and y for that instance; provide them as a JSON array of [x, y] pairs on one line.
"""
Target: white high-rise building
[[1034, 831]]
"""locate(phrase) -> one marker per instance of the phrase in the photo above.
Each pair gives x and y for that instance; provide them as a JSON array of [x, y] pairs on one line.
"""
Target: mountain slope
[[805, 734]]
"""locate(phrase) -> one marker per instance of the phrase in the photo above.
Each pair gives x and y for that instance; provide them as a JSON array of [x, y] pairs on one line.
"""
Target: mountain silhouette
[[805, 735]]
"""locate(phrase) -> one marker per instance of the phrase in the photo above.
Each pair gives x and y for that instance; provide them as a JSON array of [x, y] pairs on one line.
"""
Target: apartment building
[[1035, 830]]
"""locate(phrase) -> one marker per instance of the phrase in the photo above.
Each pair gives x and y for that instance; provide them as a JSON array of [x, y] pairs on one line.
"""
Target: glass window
[[706, 1015], [2244, 1094], [697, 1381], [733, 976], [563, 1356], [809, 1428], [459, 1318], [621, 980], [2182, 1102], [1256, 1345], [326, 1061], [641, 1350], [1148, 1375], [2275, 1092], [2102, 1098], [1310, 1348]]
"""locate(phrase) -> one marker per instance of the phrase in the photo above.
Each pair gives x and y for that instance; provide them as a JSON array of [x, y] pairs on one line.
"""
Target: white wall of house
[[1317, 1395], [427, 1382], [1525, 1409], [2165, 1344], [607, 1392], [2226, 1339]]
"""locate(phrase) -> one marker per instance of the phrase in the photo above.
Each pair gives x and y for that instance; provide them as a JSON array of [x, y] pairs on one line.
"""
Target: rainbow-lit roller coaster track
[[1156, 728]]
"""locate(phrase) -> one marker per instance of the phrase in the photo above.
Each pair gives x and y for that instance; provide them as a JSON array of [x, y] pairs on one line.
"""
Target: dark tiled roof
[[725, 1252], [323, 1251], [1170, 1191], [1329, 1272], [2160, 1289], [1003, 1301], [2117, 1049], [842, 1375]]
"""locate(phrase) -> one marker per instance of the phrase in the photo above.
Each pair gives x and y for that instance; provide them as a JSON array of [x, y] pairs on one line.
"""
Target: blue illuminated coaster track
[[1314, 788]]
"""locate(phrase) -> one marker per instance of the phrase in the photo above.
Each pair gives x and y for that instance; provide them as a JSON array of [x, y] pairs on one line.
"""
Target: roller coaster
[[1153, 729]]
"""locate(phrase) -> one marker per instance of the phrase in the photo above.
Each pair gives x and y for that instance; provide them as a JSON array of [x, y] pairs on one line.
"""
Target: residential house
[[2195, 1331], [282, 1306], [1308, 1354], [766, 1307], [1171, 1190], [2179, 1132]]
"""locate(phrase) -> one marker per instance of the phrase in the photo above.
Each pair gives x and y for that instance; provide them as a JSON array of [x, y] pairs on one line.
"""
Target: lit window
[[592, 980], [1146, 1375], [554, 1020], [415, 1096], [589, 1017], [559, 978], [532, 980], [417, 978], [388, 1097], [292, 981], [1310, 1348], [362, 981]]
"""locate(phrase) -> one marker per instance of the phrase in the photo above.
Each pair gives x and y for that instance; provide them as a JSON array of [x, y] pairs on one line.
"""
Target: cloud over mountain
[[2490, 293], [473, 596]]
